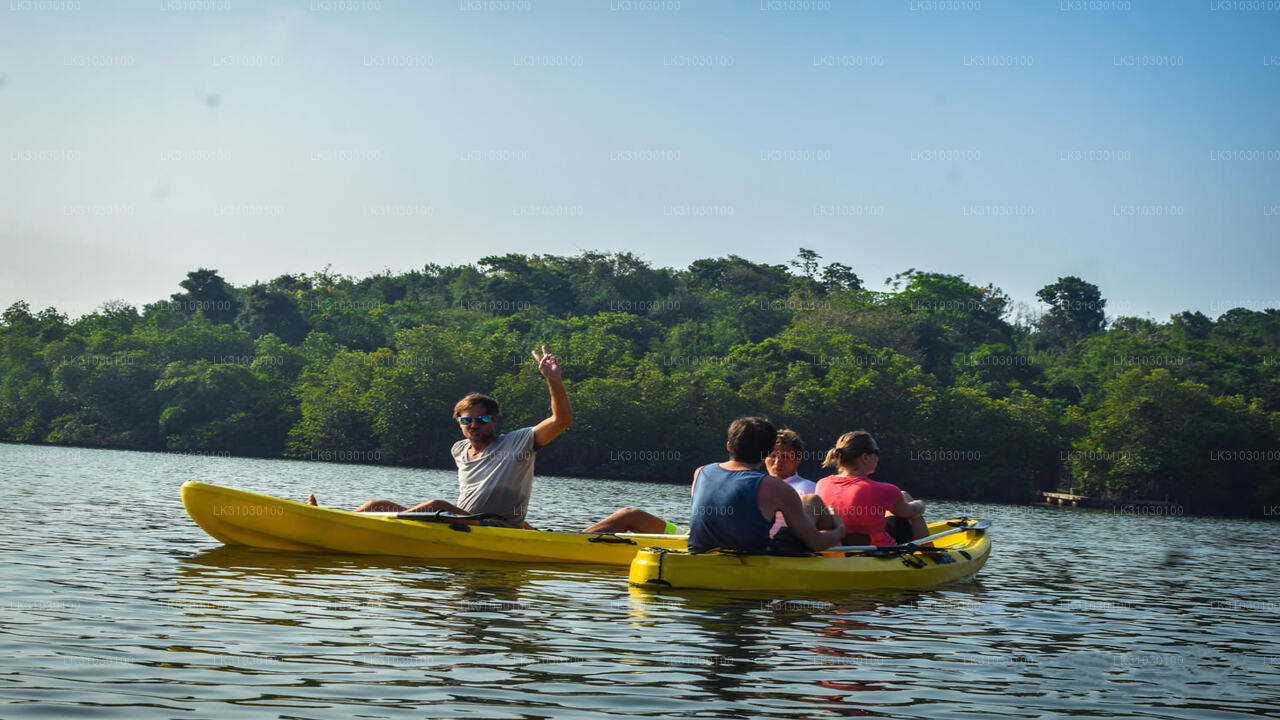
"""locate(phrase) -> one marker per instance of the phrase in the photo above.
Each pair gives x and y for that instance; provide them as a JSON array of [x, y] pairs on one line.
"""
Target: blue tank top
[[725, 513]]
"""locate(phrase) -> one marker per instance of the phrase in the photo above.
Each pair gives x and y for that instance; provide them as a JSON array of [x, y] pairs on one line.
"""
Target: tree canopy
[[965, 403]]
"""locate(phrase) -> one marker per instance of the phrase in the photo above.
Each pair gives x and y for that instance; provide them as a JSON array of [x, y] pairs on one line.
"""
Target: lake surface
[[114, 604]]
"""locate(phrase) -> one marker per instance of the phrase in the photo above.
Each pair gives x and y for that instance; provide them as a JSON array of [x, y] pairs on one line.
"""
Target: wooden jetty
[[1073, 499]]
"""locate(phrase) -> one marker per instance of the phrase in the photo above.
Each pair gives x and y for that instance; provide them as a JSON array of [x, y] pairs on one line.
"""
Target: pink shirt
[[861, 504]]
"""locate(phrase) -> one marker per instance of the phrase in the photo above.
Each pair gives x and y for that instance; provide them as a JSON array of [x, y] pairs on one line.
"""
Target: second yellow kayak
[[955, 557]]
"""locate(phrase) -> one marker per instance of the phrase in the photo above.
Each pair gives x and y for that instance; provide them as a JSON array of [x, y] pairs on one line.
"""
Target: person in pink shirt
[[874, 513]]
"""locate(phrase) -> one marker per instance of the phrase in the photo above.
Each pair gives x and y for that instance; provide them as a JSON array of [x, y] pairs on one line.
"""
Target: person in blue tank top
[[734, 501]]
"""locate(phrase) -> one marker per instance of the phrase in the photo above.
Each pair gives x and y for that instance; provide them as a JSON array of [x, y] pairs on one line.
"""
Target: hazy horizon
[[1132, 144]]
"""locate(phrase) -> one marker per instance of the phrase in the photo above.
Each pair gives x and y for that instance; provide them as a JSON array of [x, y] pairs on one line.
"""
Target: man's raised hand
[[548, 365]]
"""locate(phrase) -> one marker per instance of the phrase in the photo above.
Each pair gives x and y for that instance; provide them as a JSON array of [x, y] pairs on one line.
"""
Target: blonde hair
[[849, 447], [470, 401]]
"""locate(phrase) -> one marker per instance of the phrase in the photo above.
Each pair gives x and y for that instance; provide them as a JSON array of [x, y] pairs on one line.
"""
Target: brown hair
[[789, 437], [470, 401], [751, 439], [849, 447]]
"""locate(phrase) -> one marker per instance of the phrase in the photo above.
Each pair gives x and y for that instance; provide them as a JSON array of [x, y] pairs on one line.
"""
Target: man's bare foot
[[311, 499]]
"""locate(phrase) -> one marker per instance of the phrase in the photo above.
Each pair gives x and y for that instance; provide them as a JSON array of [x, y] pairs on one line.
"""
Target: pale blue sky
[[1134, 144]]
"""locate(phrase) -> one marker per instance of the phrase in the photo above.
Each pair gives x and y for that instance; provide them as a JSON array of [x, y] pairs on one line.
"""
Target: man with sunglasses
[[495, 472]]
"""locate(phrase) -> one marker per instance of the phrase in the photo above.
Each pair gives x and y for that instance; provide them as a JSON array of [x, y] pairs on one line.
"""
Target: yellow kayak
[[960, 549], [236, 517]]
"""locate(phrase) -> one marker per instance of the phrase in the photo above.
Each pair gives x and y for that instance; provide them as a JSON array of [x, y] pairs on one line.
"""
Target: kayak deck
[[236, 517], [954, 558]]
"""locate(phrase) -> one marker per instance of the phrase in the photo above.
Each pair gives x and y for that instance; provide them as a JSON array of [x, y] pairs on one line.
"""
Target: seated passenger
[[862, 503], [734, 502], [782, 463], [495, 471]]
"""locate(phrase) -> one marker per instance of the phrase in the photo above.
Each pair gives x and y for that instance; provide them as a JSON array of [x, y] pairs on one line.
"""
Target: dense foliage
[[965, 403]]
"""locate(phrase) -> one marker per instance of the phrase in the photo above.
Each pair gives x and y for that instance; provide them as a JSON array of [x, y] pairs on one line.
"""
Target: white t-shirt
[[802, 487], [501, 479]]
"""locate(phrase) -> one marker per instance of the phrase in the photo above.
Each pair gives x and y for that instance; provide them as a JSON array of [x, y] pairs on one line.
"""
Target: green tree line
[[967, 400]]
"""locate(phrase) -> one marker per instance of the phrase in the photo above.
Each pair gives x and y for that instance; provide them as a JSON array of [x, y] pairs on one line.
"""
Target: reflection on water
[[115, 604]]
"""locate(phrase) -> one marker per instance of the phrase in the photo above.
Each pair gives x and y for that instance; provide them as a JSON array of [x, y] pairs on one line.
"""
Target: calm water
[[114, 604]]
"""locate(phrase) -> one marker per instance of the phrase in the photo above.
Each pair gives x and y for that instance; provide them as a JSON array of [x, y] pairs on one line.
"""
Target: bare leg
[[919, 528], [438, 506], [380, 506], [428, 506], [630, 520], [817, 511], [434, 506], [311, 499]]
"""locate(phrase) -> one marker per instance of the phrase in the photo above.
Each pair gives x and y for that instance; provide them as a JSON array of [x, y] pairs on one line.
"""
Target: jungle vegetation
[[968, 398]]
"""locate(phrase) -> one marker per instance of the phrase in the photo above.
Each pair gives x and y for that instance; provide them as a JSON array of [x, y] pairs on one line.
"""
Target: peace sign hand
[[548, 365]]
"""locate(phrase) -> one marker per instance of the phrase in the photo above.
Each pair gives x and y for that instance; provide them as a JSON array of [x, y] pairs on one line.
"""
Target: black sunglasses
[[478, 419]]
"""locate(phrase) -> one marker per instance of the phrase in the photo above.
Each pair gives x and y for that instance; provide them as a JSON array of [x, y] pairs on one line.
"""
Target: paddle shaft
[[914, 543], [448, 518], [432, 516]]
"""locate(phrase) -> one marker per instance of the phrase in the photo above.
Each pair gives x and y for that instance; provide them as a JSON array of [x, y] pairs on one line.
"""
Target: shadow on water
[[382, 581], [461, 632], [839, 644], [232, 557]]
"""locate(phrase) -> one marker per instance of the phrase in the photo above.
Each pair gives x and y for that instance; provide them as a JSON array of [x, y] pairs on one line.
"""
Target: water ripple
[[114, 604]]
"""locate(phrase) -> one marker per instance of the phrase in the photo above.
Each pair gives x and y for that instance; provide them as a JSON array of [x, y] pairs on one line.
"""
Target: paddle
[[914, 544], [439, 516]]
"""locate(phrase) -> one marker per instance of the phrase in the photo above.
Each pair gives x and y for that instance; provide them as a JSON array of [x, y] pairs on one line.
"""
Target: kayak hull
[[236, 517], [964, 555]]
